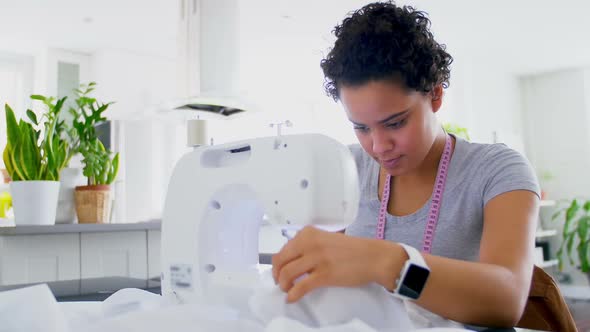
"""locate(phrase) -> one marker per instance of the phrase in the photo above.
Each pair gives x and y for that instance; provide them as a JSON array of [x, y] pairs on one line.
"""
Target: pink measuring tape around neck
[[436, 199]]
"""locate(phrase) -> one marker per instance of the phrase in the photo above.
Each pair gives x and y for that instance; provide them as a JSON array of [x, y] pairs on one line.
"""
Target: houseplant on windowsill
[[100, 165], [34, 155], [575, 232]]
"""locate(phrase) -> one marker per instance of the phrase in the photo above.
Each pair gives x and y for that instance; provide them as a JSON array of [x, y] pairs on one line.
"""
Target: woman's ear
[[436, 97]]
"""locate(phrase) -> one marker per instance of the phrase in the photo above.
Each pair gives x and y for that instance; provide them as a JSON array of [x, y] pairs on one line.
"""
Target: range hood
[[208, 59]]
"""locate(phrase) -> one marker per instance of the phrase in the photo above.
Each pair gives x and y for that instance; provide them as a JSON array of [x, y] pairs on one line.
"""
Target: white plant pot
[[69, 178], [34, 202]]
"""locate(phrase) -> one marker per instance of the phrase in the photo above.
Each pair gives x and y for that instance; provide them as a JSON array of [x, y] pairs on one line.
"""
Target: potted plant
[[34, 155], [576, 216], [69, 177], [100, 165]]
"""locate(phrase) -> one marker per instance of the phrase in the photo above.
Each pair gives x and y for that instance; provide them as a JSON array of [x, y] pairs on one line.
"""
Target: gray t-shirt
[[477, 173]]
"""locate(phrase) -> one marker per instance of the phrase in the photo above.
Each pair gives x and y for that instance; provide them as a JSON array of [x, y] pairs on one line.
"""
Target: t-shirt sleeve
[[506, 170]]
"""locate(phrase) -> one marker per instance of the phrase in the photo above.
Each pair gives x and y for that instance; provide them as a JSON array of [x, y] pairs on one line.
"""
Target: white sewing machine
[[218, 195]]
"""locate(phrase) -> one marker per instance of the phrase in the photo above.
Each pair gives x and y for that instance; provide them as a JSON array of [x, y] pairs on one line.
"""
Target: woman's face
[[396, 126]]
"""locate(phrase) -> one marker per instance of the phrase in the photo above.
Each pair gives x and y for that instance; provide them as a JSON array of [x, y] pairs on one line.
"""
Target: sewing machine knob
[[304, 184], [215, 205]]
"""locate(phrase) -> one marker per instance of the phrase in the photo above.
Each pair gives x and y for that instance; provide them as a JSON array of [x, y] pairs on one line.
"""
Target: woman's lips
[[391, 163]]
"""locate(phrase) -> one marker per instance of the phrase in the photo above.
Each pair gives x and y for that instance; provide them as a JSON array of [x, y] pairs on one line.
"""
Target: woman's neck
[[426, 172]]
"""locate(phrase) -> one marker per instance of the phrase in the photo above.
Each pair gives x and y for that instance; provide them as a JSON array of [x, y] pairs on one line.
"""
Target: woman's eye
[[396, 125], [361, 129]]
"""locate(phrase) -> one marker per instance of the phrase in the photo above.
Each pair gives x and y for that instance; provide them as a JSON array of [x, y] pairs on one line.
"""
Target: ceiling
[[522, 36], [147, 27]]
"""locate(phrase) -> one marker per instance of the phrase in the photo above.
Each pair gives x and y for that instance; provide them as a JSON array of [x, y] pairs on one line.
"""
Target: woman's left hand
[[328, 259]]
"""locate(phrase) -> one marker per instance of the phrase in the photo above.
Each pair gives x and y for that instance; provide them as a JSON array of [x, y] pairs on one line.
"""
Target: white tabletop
[[575, 292]]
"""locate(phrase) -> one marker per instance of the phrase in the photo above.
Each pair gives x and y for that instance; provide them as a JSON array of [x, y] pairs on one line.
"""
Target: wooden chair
[[546, 308]]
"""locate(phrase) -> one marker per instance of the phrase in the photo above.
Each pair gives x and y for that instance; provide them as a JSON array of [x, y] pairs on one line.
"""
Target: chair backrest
[[546, 308]]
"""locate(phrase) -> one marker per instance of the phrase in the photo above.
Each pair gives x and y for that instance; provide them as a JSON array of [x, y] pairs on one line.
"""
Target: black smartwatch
[[413, 275]]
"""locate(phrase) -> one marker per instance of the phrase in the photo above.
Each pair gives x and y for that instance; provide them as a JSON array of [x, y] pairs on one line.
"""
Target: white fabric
[[364, 309], [371, 304], [422, 318], [284, 324], [190, 317], [129, 300], [81, 314], [30, 309]]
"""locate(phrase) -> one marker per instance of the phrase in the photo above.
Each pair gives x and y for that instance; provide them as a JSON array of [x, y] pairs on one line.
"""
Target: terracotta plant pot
[[93, 204]]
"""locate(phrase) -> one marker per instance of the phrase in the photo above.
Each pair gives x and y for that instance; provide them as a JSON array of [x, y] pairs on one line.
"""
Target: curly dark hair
[[382, 41]]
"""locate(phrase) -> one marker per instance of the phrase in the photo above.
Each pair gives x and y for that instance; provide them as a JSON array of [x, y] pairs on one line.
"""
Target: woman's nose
[[381, 142]]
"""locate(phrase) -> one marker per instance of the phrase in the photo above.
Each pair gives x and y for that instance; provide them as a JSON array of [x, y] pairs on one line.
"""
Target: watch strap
[[415, 255]]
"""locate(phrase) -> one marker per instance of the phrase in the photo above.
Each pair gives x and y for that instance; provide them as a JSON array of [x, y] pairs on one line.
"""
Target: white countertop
[[575, 292]]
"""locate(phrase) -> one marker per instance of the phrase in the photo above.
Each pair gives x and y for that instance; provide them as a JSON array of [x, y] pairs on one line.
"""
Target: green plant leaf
[[33, 117], [12, 127], [583, 227], [583, 256], [570, 213], [36, 154], [114, 169], [569, 247], [587, 207], [559, 255], [98, 167], [38, 97], [29, 155], [18, 173], [6, 157]]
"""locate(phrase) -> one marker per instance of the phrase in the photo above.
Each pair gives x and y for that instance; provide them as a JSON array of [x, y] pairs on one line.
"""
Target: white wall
[[33, 67], [137, 82], [16, 79], [278, 71], [556, 109]]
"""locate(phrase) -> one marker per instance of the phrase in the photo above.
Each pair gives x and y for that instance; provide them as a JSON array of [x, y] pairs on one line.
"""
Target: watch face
[[414, 281]]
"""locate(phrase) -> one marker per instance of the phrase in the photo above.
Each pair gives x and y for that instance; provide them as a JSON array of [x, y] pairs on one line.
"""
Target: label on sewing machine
[[181, 276]]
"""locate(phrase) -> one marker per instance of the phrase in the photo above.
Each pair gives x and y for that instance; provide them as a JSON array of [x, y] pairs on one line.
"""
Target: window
[[16, 80]]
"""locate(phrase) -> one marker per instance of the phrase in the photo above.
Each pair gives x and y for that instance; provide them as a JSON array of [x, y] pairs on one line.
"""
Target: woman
[[475, 235]]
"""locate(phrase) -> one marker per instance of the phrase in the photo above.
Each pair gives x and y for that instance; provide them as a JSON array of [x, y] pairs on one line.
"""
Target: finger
[[288, 253], [310, 282], [293, 249], [296, 268]]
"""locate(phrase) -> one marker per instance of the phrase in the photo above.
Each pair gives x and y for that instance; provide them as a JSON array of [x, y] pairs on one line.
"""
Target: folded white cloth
[[130, 299], [31, 309], [186, 317], [422, 318], [363, 309], [329, 306], [284, 324]]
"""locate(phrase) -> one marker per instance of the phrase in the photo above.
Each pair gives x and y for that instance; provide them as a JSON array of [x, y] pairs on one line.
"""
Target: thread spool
[[196, 132]]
